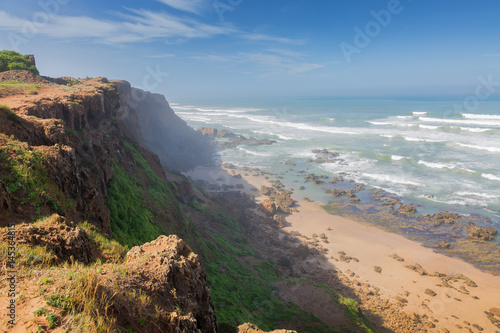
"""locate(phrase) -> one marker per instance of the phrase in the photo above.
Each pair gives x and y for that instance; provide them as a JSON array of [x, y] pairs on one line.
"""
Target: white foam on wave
[[481, 122], [301, 126], [480, 116], [475, 129], [419, 113], [436, 165], [390, 179], [490, 176], [255, 153], [428, 127], [490, 149], [380, 123], [404, 117], [387, 136], [234, 110], [475, 195], [398, 158], [412, 139], [281, 136]]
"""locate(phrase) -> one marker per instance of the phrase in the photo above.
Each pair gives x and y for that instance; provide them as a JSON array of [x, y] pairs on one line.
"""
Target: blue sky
[[185, 48]]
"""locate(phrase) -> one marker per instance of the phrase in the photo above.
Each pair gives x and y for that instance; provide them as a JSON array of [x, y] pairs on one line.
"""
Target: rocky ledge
[[224, 139]]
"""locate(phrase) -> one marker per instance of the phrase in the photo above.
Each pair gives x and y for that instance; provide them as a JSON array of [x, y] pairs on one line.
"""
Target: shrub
[[11, 60]]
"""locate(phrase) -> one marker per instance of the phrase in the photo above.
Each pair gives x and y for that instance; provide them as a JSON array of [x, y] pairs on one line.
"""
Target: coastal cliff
[[79, 189], [155, 125]]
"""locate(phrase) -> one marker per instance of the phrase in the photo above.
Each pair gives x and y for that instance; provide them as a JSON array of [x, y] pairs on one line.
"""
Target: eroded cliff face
[[155, 125], [59, 146]]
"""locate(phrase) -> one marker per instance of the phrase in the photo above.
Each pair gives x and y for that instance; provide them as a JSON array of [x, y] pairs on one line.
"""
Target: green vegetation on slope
[[11, 60], [241, 284], [24, 174]]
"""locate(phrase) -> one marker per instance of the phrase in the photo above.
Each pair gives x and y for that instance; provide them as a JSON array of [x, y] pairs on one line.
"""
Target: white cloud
[[137, 25], [192, 6]]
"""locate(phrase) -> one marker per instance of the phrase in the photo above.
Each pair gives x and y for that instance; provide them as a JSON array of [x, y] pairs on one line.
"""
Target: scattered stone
[[395, 256], [476, 326], [417, 268], [430, 292], [377, 269]]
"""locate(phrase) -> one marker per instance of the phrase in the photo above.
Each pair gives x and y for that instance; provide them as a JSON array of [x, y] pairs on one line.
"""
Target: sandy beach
[[460, 306]]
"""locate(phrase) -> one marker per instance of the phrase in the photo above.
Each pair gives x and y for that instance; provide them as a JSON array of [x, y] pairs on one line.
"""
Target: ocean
[[439, 154]]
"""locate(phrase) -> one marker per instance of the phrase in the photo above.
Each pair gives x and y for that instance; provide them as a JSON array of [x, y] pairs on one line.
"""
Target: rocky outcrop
[[229, 139], [22, 76], [406, 209], [63, 238], [149, 117], [269, 207], [481, 233], [250, 328], [171, 272]]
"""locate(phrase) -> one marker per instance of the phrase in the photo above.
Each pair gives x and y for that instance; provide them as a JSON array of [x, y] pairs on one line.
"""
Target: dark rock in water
[[302, 188], [309, 160], [444, 244], [338, 193], [288, 162], [238, 176], [208, 131], [407, 209], [481, 233], [225, 134]]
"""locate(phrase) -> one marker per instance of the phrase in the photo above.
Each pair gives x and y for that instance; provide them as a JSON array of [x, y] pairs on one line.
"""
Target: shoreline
[[362, 253]]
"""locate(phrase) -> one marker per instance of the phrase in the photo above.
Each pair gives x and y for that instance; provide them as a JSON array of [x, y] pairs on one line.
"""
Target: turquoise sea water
[[439, 154]]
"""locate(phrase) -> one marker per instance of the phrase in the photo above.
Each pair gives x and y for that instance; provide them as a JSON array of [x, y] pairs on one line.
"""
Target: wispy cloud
[[268, 64], [192, 6], [136, 25]]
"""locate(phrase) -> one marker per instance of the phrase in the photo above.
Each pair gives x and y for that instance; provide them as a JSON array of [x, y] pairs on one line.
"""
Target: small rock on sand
[[377, 269], [396, 257], [430, 292]]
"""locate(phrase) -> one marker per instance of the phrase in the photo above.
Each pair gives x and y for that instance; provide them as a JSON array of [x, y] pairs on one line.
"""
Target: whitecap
[[490, 176]]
